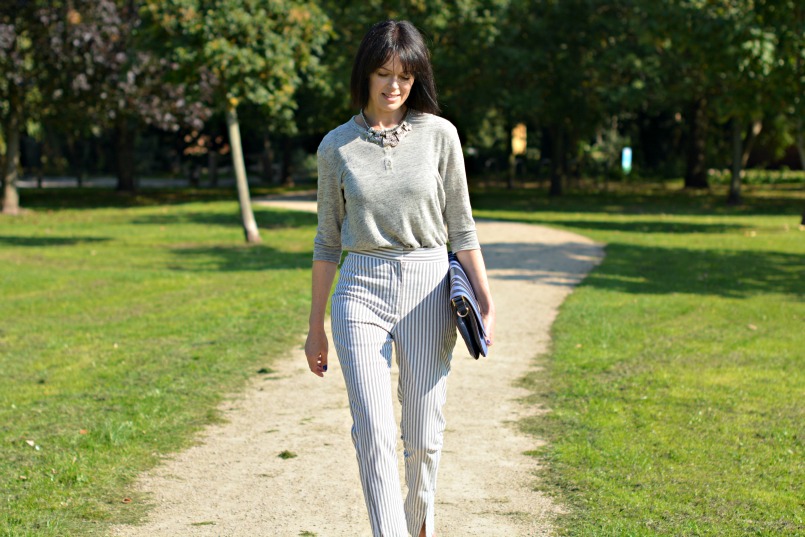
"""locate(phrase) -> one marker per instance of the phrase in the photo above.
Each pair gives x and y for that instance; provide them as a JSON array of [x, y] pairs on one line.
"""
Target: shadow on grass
[[49, 241], [239, 258], [647, 227], [728, 273], [266, 219], [773, 202], [650, 270], [96, 198]]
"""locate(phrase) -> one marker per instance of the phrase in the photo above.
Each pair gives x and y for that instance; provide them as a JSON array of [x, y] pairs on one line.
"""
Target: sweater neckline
[[386, 137]]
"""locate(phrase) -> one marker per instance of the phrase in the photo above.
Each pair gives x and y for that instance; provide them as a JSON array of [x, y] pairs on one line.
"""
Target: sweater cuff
[[326, 253], [464, 240]]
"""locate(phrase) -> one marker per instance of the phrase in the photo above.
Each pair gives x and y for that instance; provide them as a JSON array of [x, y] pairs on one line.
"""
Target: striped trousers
[[384, 300]]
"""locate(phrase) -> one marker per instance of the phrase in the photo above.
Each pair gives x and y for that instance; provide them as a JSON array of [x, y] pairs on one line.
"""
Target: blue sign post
[[626, 160]]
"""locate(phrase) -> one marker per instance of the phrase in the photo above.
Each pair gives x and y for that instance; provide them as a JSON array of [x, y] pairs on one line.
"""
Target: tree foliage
[[579, 73], [248, 51], [74, 66]]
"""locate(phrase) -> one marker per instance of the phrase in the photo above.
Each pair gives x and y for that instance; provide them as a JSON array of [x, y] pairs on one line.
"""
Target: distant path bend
[[235, 484]]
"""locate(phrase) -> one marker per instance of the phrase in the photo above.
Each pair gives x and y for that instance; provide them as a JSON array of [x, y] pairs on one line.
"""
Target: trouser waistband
[[401, 254]]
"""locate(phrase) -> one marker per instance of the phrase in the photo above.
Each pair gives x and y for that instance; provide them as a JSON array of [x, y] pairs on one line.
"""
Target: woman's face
[[389, 87]]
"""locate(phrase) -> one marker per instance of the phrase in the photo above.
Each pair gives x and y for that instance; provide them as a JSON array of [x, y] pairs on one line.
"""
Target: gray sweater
[[410, 196]]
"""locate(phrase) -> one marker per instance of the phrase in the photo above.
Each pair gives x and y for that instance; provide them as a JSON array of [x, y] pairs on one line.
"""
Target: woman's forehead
[[394, 64]]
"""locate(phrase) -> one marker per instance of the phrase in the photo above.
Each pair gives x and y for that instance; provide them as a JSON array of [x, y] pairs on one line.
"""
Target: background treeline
[[154, 87]]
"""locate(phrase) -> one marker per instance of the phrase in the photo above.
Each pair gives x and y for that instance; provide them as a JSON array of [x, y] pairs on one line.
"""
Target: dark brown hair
[[384, 41]]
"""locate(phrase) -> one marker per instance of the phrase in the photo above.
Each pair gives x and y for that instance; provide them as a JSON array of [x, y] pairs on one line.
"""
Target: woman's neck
[[384, 120]]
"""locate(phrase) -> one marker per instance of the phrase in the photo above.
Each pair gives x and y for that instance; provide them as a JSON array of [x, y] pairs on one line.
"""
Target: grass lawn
[[676, 376], [124, 323], [675, 380]]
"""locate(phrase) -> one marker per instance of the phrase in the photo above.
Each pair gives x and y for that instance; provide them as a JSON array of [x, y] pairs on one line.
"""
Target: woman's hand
[[472, 261], [316, 347], [488, 318], [316, 344]]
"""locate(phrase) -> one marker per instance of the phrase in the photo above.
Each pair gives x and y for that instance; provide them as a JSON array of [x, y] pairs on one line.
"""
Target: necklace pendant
[[387, 137], [387, 164]]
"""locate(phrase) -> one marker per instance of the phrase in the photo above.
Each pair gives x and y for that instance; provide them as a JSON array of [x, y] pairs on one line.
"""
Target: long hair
[[384, 41]]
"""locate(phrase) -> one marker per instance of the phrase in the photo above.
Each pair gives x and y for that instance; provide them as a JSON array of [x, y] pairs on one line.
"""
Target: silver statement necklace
[[387, 137]]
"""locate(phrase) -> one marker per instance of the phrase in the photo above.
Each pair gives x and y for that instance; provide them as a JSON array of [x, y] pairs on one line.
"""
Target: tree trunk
[[193, 173], [695, 171], [801, 142], [212, 166], [572, 164], [798, 109], [287, 172], [752, 133], [86, 158], [11, 198], [512, 170], [267, 160], [77, 153], [249, 224], [741, 148], [124, 148], [734, 197], [557, 160]]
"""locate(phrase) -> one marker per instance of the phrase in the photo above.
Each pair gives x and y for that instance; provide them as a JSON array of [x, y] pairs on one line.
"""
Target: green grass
[[122, 329], [675, 380], [676, 376], [760, 177]]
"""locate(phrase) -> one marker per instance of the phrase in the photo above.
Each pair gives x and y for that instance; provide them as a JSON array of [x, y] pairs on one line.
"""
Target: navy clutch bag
[[465, 309]]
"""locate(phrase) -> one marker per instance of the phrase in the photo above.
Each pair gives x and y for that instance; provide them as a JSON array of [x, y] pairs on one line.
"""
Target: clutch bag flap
[[466, 310]]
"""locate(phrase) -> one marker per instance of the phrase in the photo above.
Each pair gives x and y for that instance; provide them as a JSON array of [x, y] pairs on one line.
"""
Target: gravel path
[[234, 482]]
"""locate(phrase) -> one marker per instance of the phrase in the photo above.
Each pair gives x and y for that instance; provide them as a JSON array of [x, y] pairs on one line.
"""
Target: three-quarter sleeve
[[457, 211], [331, 209]]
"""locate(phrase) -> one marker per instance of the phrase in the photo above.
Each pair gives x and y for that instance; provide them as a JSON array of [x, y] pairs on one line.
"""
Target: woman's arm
[[472, 261], [316, 345]]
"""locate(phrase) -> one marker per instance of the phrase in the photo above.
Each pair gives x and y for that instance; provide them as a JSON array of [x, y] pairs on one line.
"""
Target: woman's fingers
[[314, 363], [316, 354], [489, 325], [317, 364]]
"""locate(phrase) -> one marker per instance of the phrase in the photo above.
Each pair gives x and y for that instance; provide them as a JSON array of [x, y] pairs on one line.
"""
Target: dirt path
[[234, 483]]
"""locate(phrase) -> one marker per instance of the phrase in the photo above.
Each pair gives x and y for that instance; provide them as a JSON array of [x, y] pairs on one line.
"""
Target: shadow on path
[[550, 264]]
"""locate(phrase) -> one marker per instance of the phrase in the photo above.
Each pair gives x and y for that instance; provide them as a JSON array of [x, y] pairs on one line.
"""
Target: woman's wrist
[[486, 306], [316, 322]]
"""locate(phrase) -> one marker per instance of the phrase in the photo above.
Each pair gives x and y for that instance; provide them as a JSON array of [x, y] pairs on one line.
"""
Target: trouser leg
[[374, 431], [364, 348], [424, 340]]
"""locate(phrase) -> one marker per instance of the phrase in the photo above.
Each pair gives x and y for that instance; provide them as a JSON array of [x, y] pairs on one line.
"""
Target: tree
[[719, 59], [252, 51], [73, 65], [690, 36], [788, 18], [23, 35], [552, 72], [114, 85], [744, 95]]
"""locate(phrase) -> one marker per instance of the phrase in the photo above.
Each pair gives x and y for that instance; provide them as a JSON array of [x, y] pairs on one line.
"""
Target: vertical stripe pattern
[[384, 300]]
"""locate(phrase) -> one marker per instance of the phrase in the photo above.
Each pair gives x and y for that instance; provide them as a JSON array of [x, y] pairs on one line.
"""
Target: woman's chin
[[388, 106]]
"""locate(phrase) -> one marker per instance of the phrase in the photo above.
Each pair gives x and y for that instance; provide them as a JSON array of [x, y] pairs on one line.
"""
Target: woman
[[392, 192]]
